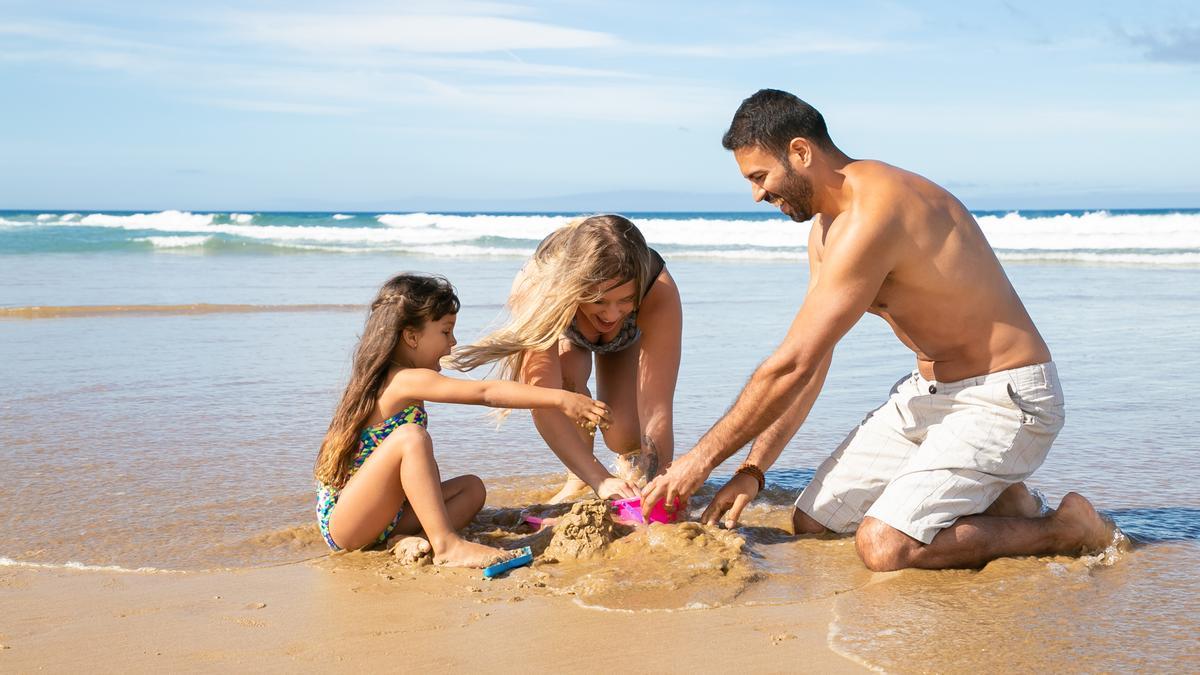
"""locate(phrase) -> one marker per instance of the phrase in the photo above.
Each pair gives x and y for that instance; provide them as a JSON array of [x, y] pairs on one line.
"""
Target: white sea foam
[[1093, 230], [163, 221], [9, 562], [46, 216], [177, 242], [1093, 237], [1186, 258]]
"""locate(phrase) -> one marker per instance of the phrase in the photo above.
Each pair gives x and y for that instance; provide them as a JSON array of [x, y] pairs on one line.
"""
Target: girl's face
[[427, 346], [614, 305]]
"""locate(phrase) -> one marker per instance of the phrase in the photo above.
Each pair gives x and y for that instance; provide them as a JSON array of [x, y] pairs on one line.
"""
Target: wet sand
[[303, 617]]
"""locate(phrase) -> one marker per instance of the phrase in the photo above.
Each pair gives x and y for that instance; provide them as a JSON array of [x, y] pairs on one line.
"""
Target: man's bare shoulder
[[876, 184]]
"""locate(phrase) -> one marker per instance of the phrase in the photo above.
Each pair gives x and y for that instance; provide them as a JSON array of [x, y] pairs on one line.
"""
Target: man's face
[[777, 182]]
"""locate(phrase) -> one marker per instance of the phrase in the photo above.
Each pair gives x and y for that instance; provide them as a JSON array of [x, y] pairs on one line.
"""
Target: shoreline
[[301, 616]]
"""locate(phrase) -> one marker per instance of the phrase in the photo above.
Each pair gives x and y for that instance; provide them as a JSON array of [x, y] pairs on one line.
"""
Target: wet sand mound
[[582, 533]]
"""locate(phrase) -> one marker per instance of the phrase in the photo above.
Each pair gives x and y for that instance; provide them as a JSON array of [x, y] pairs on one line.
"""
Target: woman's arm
[[661, 320]]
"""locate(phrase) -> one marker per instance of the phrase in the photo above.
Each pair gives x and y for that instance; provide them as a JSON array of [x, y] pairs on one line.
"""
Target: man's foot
[[573, 488], [463, 553], [412, 551], [1083, 529], [1016, 502]]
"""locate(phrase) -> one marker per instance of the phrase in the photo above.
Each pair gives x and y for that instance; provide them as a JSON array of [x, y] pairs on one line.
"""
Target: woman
[[594, 291]]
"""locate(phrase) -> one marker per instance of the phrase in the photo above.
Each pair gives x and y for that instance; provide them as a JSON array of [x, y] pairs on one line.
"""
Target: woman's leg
[[568, 368], [616, 384], [403, 469]]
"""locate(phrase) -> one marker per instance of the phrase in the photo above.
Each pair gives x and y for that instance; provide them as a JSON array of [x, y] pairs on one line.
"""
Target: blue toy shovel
[[493, 571]]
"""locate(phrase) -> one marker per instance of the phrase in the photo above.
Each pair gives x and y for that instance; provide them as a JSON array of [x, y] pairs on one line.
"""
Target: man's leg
[[1016, 500], [802, 523], [846, 484], [973, 541]]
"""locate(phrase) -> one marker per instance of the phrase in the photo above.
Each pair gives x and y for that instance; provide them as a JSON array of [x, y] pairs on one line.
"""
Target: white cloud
[[773, 48], [413, 33], [288, 107]]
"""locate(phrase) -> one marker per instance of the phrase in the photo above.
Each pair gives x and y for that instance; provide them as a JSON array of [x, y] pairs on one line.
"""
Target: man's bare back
[[947, 297]]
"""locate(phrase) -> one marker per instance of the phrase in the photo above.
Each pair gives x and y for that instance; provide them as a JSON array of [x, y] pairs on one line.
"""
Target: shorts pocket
[[1040, 405]]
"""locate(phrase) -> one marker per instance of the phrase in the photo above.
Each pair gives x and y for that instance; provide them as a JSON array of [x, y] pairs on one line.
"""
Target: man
[[931, 479]]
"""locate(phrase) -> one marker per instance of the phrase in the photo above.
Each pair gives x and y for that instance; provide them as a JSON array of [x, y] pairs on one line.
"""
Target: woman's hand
[[585, 412], [729, 501]]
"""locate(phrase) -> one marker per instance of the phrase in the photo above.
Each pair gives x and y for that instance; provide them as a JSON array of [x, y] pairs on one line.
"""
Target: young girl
[[376, 472]]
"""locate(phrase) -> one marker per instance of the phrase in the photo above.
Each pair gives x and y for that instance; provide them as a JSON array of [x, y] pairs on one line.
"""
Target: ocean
[[167, 378]]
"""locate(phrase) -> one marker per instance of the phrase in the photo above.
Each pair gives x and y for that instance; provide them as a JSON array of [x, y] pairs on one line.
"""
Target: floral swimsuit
[[370, 439]]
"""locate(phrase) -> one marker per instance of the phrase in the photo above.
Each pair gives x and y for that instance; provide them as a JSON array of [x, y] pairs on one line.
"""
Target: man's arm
[[742, 488], [855, 263], [769, 444]]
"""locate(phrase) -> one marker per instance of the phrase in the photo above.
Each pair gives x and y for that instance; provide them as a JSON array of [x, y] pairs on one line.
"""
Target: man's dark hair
[[770, 119]]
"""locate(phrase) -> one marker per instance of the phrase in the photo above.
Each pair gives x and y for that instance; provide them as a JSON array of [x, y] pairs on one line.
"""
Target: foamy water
[[1133, 237], [184, 439]]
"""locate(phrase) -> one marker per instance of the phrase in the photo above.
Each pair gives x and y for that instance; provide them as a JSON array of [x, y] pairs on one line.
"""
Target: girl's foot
[[463, 553], [412, 550], [573, 488]]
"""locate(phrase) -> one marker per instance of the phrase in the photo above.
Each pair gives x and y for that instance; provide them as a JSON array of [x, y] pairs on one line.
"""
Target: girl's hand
[[616, 488], [585, 412]]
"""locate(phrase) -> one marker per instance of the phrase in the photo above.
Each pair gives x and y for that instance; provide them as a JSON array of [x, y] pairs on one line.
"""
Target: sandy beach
[[302, 618]]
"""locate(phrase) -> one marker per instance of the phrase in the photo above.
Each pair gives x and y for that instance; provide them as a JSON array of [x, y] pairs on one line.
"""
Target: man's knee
[[883, 548], [802, 523]]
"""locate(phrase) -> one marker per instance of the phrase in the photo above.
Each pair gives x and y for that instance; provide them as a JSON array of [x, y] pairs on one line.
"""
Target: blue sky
[[480, 105]]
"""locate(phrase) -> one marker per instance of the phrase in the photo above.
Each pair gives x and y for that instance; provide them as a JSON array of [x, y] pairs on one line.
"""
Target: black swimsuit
[[629, 332]]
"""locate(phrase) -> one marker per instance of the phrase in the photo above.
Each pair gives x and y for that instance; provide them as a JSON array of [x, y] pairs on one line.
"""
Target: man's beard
[[797, 192]]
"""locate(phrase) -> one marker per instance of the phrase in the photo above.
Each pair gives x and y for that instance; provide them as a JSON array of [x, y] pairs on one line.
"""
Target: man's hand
[[730, 500], [675, 486]]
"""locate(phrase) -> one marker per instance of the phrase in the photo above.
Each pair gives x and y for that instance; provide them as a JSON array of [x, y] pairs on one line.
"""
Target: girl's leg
[[403, 468], [464, 497]]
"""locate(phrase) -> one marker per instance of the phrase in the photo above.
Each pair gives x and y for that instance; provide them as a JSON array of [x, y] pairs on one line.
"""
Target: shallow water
[[185, 440]]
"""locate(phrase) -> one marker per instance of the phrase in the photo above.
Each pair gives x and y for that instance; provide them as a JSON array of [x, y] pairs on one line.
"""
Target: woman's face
[[614, 305]]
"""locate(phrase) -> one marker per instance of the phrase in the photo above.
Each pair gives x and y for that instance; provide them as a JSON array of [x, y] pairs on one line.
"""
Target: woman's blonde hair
[[405, 301], [569, 267]]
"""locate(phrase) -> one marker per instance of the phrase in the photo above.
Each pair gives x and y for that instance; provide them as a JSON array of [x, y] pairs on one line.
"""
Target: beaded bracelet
[[754, 471]]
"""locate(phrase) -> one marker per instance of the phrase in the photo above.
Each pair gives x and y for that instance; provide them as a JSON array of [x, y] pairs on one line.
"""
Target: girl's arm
[[427, 385], [661, 320]]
